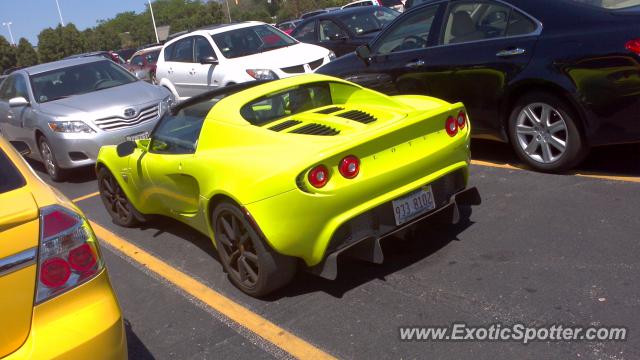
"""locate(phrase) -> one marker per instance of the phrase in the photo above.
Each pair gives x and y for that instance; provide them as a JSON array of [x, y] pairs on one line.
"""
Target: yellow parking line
[[241, 315], [593, 175], [88, 196]]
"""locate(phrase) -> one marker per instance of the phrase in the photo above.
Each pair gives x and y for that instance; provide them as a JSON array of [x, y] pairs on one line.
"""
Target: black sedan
[[343, 31], [553, 77]]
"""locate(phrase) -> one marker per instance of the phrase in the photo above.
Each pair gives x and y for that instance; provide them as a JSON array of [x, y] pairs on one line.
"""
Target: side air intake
[[316, 129], [359, 116], [285, 125], [329, 110]]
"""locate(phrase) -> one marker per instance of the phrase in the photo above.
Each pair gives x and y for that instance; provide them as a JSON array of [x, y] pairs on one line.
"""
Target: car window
[[152, 57], [179, 133], [331, 31], [168, 52], [287, 103], [372, 20], [10, 177], [79, 79], [250, 40], [137, 60], [20, 87], [475, 20], [183, 51], [203, 49], [306, 32], [7, 89], [412, 32], [520, 24]]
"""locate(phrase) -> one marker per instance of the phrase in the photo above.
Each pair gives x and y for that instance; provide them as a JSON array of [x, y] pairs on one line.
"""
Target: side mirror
[[209, 60], [364, 53], [18, 102], [126, 148]]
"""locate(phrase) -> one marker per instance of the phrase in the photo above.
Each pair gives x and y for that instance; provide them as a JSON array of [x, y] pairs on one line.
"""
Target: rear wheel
[[49, 159], [115, 200], [544, 133], [250, 264]]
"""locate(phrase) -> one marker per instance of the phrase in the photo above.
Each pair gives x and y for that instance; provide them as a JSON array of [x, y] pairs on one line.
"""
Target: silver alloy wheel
[[542, 132], [47, 156]]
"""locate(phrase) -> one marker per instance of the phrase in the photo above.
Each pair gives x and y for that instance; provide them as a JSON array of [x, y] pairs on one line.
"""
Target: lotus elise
[[294, 172]]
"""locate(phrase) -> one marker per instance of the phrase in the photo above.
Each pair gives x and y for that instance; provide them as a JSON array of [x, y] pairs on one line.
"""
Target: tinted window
[[251, 40], [203, 48], [306, 32], [183, 51], [410, 33], [287, 103], [519, 24], [330, 31], [152, 57], [137, 60], [179, 133], [168, 52], [7, 89], [364, 22], [10, 177], [20, 87], [611, 4], [79, 79], [475, 20]]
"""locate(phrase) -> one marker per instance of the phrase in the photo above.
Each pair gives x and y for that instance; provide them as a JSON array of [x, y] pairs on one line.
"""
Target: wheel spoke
[[122, 209], [234, 256], [250, 272], [546, 152], [557, 143], [242, 269], [243, 238], [525, 130], [225, 240], [531, 115], [556, 127], [545, 114], [228, 228], [251, 257], [532, 147]]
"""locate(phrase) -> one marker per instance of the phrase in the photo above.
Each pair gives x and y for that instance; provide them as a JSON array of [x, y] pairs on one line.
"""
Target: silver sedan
[[62, 112]]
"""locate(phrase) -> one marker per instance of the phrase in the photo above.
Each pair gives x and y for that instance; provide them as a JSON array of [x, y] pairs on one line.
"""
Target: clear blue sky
[[29, 17]]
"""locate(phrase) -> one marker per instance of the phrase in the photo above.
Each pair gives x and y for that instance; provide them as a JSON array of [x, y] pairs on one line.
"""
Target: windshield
[[374, 19], [611, 4], [79, 79], [251, 40]]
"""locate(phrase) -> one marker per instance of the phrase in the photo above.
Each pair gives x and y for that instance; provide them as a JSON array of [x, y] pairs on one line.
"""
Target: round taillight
[[54, 272], [349, 167], [462, 120], [82, 258], [319, 176], [451, 126]]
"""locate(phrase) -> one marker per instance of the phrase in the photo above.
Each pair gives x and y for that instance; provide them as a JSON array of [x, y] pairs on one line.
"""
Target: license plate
[[138, 136], [413, 205]]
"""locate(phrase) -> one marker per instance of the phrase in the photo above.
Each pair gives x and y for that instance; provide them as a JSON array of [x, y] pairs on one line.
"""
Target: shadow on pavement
[[74, 176], [137, 350], [606, 160]]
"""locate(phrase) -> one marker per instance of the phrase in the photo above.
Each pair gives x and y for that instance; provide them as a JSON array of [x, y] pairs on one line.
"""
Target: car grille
[[298, 69], [117, 122]]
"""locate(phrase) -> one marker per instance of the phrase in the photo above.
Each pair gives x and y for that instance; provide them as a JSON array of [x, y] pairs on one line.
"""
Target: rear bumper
[[84, 323], [363, 242]]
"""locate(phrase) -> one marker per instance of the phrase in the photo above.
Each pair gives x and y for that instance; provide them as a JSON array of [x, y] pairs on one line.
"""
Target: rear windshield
[[286, 103], [611, 4], [10, 177]]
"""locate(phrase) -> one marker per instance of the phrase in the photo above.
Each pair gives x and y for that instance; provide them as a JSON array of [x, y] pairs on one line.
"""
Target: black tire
[[49, 161], [251, 265], [554, 145], [115, 200]]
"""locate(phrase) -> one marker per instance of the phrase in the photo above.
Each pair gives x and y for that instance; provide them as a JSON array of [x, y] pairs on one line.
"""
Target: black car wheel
[[49, 160], [544, 133], [115, 200], [250, 264]]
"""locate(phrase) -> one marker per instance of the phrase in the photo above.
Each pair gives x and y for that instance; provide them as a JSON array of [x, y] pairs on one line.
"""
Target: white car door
[[205, 67], [180, 66]]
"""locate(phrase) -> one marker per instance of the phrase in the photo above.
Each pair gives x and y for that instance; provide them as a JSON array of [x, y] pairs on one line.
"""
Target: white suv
[[205, 59]]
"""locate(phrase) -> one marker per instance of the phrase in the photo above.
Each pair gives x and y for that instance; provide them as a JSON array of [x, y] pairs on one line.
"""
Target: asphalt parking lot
[[542, 249]]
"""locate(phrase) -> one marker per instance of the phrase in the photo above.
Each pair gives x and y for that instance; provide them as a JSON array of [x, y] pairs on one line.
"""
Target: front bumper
[[360, 238], [84, 323], [74, 150]]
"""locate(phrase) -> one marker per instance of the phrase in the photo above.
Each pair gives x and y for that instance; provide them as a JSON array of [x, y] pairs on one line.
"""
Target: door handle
[[414, 64], [510, 52]]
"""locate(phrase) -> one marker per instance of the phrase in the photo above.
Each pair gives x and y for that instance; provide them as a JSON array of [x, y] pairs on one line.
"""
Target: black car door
[[482, 46]]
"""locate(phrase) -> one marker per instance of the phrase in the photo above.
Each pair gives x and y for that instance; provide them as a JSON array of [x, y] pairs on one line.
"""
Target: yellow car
[[56, 300]]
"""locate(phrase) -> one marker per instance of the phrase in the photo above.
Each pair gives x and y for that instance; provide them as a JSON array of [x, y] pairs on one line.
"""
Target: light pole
[[229, 11], [154, 22], [8, 25], [60, 13]]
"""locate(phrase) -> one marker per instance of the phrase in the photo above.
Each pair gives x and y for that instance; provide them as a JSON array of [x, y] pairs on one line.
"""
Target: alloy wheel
[[115, 198], [238, 248], [47, 157], [542, 132]]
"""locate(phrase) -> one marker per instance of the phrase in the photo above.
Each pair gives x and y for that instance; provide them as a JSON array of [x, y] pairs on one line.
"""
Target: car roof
[[37, 69], [216, 29]]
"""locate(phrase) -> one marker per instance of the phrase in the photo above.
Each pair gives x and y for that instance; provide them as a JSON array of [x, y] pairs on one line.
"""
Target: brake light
[[462, 120], [68, 253], [349, 167], [633, 46], [451, 125], [319, 176]]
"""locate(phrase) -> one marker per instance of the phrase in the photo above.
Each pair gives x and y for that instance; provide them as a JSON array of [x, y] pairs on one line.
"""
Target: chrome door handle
[[414, 64], [510, 52]]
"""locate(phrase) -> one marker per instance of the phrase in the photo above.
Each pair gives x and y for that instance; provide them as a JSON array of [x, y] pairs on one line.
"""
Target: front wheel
[[251, 265], [49, 159], [544, 133], [115, 200]]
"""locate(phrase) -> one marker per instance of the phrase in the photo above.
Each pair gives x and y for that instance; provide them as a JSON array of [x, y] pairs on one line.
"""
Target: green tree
[[7, 55], [26, 55], [63, 41]]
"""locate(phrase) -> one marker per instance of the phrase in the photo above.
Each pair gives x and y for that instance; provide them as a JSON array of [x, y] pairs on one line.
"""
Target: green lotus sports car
[[294, 172]]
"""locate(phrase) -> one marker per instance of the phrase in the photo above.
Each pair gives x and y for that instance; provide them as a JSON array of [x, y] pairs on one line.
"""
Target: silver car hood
[[107, 101]]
